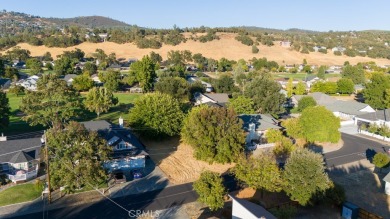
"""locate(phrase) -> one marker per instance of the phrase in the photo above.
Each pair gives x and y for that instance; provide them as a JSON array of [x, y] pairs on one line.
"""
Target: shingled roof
[[12, 151], [261, 121], [383, 115]]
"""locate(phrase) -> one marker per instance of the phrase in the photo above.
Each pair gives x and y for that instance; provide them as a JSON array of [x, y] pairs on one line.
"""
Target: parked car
[[119, 177], [137, 174]]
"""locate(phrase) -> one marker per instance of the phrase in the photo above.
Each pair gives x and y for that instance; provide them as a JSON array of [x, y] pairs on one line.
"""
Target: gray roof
[[261, 121], [383, 115], [10, 150], [219, 98], [97, 125], [256, 210], [387, 178], [334, 105], [3, 81], [21, 157], [69, 76]]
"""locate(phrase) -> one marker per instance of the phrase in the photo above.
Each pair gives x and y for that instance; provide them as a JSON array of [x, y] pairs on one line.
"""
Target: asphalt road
[[355, 148], [147, 202]]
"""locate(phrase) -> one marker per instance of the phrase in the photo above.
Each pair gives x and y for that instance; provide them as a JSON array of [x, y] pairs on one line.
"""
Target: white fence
[[375, 135]]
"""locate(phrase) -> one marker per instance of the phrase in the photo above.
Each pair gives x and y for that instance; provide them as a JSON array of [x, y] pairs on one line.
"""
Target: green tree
[[49, 66], [345, 86], [290, 88], [199, 60], [324, 128], [11, 73], [99, 100], [259, 172], [265, 93], [306, 102], [321, 72], [155, 57], [177, 87], [307, 69], [145, 73], [34, 65], [18, 90], [293, 128], [302, 184], [355, 73], [327, 87], [381, 160], [5, 110], [90, 68], [18, 53], [300, 89], [47, 57], [242, 105], [210, 189], [156, 114], [53, 103], [76, 156], [225, 84], [375, 91], [82, 82], [63, 66], [110, 79], [274, 135], [215, 133]]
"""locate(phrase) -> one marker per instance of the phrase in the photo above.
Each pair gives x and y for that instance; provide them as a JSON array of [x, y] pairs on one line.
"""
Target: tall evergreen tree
[[5, 110]]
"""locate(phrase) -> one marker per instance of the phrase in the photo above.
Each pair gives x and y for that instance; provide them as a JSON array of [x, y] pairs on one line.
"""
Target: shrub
[[255, 49]]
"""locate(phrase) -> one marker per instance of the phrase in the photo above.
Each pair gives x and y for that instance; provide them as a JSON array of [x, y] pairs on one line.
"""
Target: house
[[128, 152], [334, 69], [5, 83], [358, 88], [29, 83], [217, 100], [96, 79], [69, 78], [243, 209], [209, 88], [20, 158], [387, 185], [338, 49], [18, 64], [256, 125], [380, 117], [310, 80], [285, 43], [103, 36], [346, 110], [115, 66], [318, 48]]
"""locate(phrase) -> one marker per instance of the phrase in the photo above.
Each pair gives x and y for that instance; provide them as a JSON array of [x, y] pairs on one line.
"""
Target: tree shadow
[[160, 149], [370, 153]]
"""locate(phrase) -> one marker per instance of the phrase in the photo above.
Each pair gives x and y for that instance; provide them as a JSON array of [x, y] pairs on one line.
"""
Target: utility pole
[[47, 166]]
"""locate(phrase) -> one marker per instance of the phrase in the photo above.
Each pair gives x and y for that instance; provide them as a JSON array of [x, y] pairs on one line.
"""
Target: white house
[[96, 79], [209, 88], [317, 48], [19, 158], [338, 49], [30, 83], [243, 209], [285, 43], [380, 117], [387, 185]]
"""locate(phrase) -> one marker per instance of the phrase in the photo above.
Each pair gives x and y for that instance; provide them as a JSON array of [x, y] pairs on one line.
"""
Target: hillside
[[88, 21], [226, 47]]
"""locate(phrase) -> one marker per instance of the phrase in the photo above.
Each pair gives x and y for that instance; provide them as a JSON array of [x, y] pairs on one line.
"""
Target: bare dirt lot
[[176, 160], [226, 47]]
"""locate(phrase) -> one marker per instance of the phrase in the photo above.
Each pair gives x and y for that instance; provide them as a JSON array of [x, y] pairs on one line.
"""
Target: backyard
[[19, 193]]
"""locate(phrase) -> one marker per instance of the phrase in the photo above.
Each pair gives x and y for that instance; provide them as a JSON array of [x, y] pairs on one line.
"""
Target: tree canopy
[[375, 93], [110, 79], [242, 105], [177, 87], [53, 103], [381, 160], [145, 72], [319, 124], [266, 95], [224, 84], [345, 86], [5, 110], [215, 133], [355, 73], [304, 176], [76, 156], [156, 114], [99, 100], [82, 82], [210, 190], [306, 102]]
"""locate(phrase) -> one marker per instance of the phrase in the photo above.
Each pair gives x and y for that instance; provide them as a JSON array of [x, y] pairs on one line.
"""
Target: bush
[[337, 53], [144, 43], [286, 212], [255, 49], [244, 39]]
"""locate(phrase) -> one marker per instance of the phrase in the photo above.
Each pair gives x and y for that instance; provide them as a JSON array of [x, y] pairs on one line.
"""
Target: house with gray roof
[[5, 83], [209, 88], [346, 110], [20, 158], [29, 83], [256, 126], [243, 209], [380, 117], [218, 100], [69, 78], [128, 152]]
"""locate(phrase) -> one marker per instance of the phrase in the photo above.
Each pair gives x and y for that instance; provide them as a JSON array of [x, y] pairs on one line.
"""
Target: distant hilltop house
[[346, 110], [216, 100], [334, 69], [103, 36], [285, 43], [338, 49], [20, 158], [317, 48]]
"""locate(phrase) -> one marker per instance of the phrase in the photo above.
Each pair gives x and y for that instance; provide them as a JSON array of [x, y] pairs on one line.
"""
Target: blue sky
[[280, 14]]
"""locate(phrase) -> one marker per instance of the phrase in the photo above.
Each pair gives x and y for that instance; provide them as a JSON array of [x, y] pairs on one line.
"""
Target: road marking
[[357, 153]]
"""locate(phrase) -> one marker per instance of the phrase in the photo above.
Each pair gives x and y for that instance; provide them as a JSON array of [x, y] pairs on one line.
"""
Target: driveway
[[350, 129]]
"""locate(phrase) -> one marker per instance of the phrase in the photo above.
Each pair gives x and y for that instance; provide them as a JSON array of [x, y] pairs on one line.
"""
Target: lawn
[[301, 76], [19, 193], [14, 103]]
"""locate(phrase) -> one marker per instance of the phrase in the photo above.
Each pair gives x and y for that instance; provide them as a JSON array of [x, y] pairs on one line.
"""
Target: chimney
[[3, 138], [121, 122]]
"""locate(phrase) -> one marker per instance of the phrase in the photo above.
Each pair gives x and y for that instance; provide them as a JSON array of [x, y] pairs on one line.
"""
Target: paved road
[[355, 148], [147, 202]]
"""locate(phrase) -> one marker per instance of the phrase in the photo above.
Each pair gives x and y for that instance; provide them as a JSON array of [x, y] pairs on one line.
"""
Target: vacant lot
[[176, 160], [226, 47]]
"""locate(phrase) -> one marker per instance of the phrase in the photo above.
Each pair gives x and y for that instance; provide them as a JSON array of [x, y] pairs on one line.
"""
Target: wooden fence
[[363, 214]]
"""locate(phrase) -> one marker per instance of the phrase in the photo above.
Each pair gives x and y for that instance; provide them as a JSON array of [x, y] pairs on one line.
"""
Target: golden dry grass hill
[[226, 47]]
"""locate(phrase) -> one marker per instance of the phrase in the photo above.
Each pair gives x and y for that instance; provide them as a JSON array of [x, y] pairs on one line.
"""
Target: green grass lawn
[[14, 103], [301, 76], [19, 193]]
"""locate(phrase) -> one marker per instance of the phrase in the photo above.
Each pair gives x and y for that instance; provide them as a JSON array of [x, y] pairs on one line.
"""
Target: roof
[[261, 121], [4, 81], [97, 125], [383, 115], [219, 98], [10, 149], [387, 178], [21, 157], [310, 77], [69, 76], [255, 210]]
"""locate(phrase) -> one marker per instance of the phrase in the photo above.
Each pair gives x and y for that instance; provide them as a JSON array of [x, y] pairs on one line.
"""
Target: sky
[[325, 15]]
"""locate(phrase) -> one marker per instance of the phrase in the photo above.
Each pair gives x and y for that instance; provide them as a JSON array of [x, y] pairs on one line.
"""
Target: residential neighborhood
[[100, 118]]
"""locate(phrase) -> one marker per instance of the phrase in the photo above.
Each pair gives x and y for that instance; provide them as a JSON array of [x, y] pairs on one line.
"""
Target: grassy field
[[301, 76], [19, 193]]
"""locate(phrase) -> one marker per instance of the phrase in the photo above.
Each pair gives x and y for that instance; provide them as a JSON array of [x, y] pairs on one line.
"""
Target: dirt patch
[[176, 160], [226, 47]]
